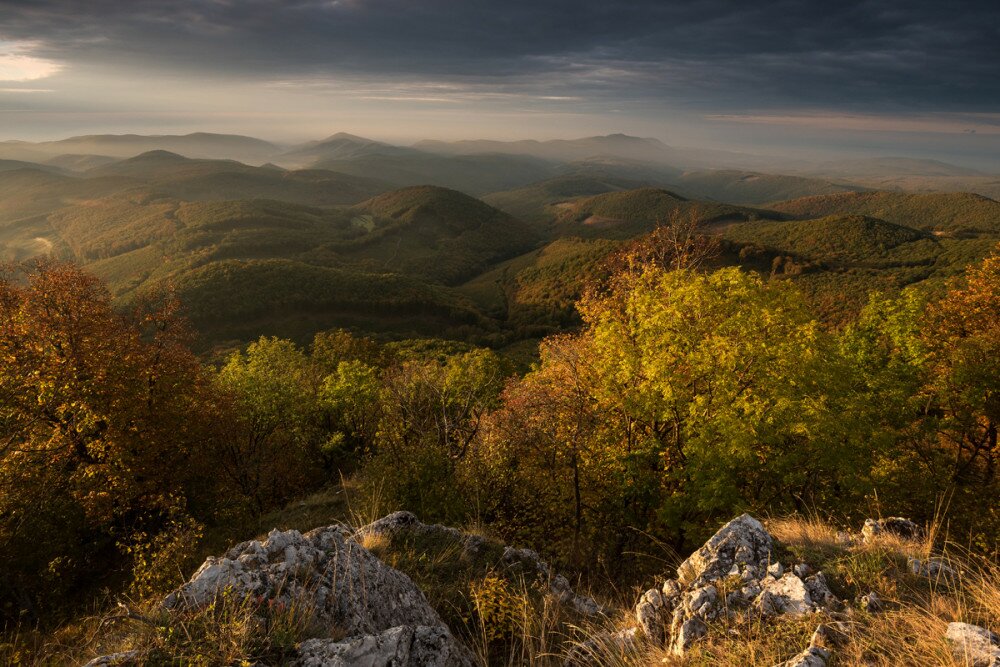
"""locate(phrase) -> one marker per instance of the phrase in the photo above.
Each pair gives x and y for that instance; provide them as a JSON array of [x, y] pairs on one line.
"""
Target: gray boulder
[[894, 525], [402, 645], [677, 611], [814, 656], [787, 595], [935, 567], [344, 588], [973, 646], [743, 544], [737, 559]]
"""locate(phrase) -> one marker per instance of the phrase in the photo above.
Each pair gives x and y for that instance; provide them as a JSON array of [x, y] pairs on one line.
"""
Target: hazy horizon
[[909, 79]]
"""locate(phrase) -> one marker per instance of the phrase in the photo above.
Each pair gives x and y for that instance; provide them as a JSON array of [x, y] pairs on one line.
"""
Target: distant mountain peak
[[159, 154], [346, 136]]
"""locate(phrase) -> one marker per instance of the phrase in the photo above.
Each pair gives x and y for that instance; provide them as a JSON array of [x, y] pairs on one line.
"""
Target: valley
[[486, 242]]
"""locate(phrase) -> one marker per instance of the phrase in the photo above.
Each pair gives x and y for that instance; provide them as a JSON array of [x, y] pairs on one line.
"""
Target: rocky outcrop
[[343, 586], [820, 649], [973, 646], [123, 659], [374, 615], [895, 525], [370, 614], [742, 545], [738, 559], [402, 645], [813, 656], [935, 567], [528, 561]]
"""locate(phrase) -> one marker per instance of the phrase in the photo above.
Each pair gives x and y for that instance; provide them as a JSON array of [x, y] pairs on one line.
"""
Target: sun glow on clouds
[[17, 63]]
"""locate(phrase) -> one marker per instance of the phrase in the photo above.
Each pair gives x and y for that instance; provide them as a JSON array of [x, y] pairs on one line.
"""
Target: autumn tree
[[688, 396], [104, 426], [962, 337]]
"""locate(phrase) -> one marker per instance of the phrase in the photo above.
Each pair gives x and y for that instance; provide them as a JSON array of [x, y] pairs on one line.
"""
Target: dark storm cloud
[[720, 54]]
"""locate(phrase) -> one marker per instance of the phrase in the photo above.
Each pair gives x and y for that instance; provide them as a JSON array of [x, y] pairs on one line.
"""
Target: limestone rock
[[894, 525], [686, 633], [973, 646], [935, 567], [820, 593], [123, 659], [738, 559], [346, 588], [743, 543], [813, 656], [652, 613], [402, 645], [788, 595], [871, 602]]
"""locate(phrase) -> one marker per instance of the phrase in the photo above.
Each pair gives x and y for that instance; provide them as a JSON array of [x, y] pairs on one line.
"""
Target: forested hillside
[[599, 367]]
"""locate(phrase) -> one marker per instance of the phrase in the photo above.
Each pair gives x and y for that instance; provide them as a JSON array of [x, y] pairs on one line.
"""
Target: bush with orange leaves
[[105, 428]]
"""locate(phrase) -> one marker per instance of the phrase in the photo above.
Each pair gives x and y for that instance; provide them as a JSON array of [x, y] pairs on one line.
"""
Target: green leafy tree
[[274, 450], [431, 413]]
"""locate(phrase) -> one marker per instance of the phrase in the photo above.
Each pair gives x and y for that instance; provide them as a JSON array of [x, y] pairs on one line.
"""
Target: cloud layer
[[857, 53], [771, 58]]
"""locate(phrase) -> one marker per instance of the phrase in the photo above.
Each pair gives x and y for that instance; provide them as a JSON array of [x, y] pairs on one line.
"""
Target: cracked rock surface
[[738, 559]]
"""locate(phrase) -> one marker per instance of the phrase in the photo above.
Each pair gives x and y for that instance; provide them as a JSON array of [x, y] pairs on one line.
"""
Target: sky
[[790, 77]]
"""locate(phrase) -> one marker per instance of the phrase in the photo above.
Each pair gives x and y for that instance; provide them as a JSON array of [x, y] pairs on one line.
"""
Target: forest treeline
[[687, 396]]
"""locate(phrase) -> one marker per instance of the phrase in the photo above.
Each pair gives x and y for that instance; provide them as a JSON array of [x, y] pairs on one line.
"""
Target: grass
[[507, 616], [910, 630]]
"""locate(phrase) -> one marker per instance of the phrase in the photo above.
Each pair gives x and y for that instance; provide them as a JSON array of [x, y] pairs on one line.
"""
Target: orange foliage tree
[[103, 428]]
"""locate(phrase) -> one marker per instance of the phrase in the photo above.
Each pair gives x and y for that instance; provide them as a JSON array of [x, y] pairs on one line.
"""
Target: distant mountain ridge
[[567, 150], [340, 146], [195, 145]]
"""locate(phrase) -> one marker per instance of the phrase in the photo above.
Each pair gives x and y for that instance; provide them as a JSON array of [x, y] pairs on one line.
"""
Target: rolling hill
[[883, 167], [439, 234], [238, 300], [953, 213], [535, 293], [252, 266], [340, 146], [752, 188], [536, 202], [196, 145], [838, 239], [472, 174], [628, 213], [80, 162], [217, 180], [289, 251]]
